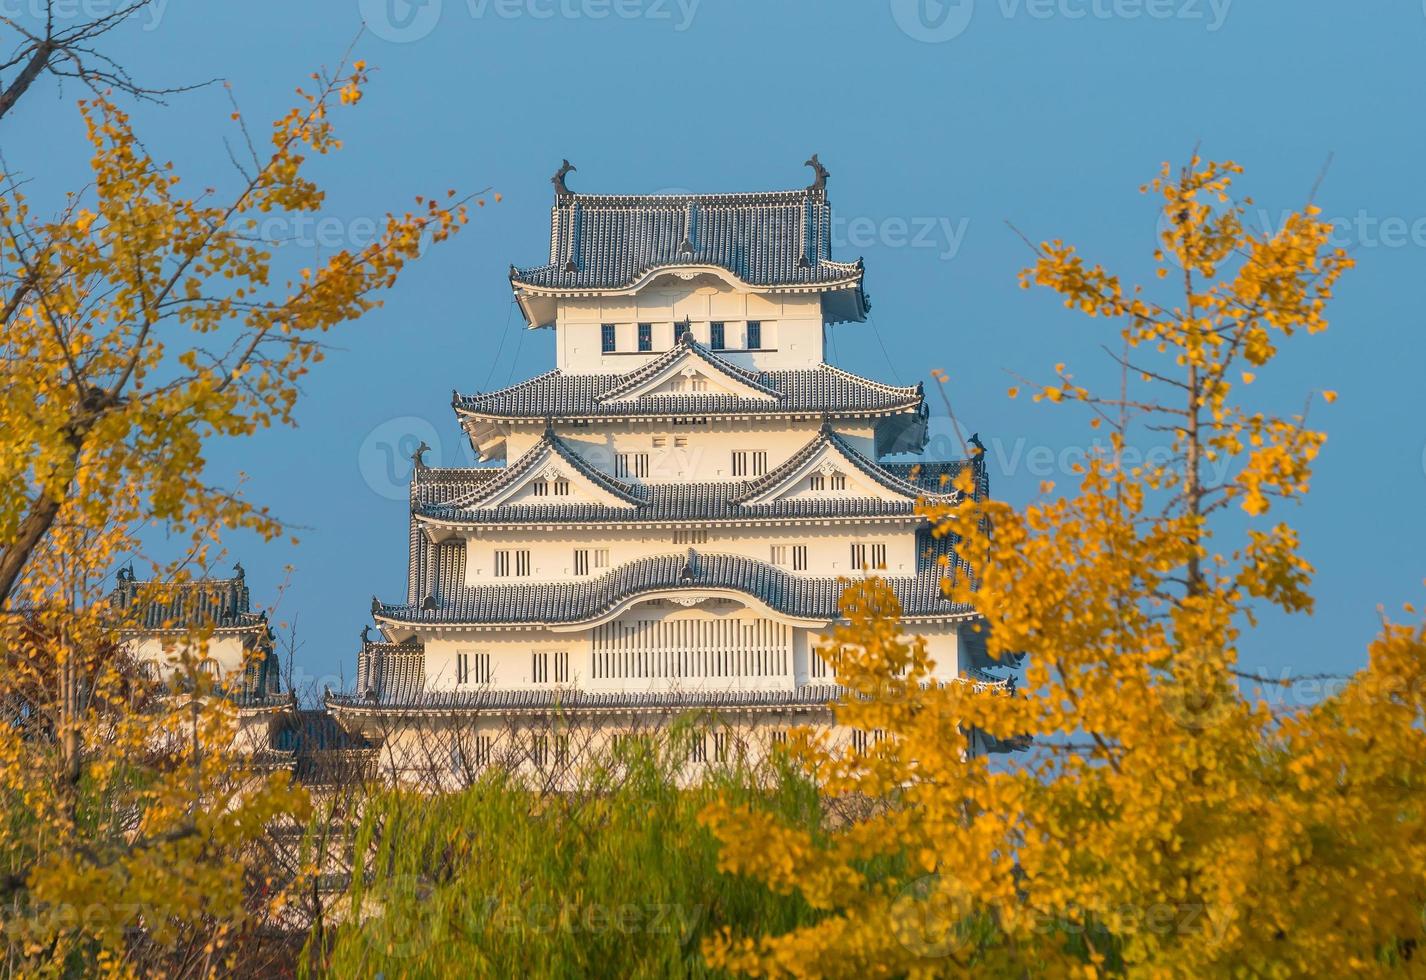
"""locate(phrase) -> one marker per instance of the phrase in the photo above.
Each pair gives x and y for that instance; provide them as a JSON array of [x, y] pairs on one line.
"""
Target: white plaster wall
[[164, 651], [791, 325], [829, 547]]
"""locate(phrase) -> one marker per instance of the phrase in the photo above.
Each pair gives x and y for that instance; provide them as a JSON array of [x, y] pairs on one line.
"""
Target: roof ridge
[[548, 442], [685, 348]]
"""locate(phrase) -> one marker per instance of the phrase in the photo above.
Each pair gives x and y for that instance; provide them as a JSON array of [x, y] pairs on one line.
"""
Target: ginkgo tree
[[141, 321], [1166, 819]]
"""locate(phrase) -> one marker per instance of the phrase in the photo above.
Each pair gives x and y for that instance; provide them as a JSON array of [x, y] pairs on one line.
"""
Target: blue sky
[[939, 125]]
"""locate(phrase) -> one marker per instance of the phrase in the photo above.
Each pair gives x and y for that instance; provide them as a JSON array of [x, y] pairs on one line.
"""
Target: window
[[540, 750], [691, 536], [818, 482], [755, 335], [720, 746], [646, 337], [601, 557], [778, 736], [631, 465], [698, 748], [875, 552], [715, 335], [561, 750], [474, 752], [859, 741], [659, 442], [839, 481], [799, 558], [561, 488], [819, 666], [503, 564], [472, 668], [749, 464], [680, 442], [539, 668], [581, 561], [562, 667], [779, 555], [542, 488], [606, 338]]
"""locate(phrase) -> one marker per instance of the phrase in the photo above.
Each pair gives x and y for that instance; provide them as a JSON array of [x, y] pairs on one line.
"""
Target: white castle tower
[[676, 503]]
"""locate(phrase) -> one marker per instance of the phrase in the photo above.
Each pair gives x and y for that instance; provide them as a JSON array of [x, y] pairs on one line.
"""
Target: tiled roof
[[799, 596], [549, 443], [688, 347], [219, 603], [806, 391], [391, 670], [608, 241], [663, 502]]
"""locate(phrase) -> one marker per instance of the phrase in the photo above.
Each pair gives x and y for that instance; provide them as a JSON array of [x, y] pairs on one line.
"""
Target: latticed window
[[749, 463], [601, 557], [698, 748], [540, 750], [607, 338], [779, 555], [819, 482], [542, 488], [539, 668], [581, 561], [859, 741], [799, 558], [755, 335], [522, 563], [715, 335], [646, 337], [691, 536], [839, 481], [561, 750], [720, 746], [562, 667], [628, 465], [561, 488]]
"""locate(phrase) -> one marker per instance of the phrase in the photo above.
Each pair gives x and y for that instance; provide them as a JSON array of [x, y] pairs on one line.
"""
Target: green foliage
[[612, 878]]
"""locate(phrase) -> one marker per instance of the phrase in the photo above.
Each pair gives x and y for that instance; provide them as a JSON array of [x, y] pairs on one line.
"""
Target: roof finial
[[819, 180], [428, 604], [975, 441], [365, 635], [418, 458], [685, 331], [238, 571], [690, 567], [375, 605], [549, 426], [561, 191]]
